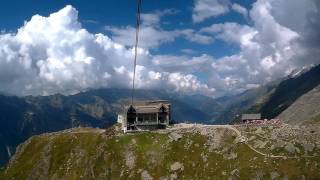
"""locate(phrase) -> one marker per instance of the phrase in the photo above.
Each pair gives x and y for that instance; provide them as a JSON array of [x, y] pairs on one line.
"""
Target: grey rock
[[204, 157], [130, 159], [223, 173], [232, 178], [274, 175], [235, 172], [259, 131], [174, 136], [173, 176], [308, 147], [260, 144], [259, 175], [290, 147], [176, 166], [252, 138], [146, 176], [240, 139]]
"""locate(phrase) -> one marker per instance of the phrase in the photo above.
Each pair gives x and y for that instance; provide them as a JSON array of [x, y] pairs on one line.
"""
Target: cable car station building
[[145, 115]]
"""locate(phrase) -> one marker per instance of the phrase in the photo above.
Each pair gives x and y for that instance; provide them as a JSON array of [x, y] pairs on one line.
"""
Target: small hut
[[250, 118], [145, 115]]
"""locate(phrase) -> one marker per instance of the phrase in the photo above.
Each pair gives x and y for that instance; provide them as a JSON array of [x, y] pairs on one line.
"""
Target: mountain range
[[22, 117]]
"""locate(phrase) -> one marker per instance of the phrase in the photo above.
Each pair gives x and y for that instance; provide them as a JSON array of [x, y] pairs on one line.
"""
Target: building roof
[[152, 106], [147, 109], [250, 116], [150, 102]]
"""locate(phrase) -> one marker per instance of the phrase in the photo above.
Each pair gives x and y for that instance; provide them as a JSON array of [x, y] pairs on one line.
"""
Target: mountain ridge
[[184, 151], [22, 117], [304, 109]]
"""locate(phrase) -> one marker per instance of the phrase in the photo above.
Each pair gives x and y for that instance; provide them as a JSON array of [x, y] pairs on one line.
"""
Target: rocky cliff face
[[289, 90], [181, 152], [274, 98], [305, 110]]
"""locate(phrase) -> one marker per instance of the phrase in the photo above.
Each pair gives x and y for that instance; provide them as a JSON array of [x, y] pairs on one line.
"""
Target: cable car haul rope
[[136, 48]]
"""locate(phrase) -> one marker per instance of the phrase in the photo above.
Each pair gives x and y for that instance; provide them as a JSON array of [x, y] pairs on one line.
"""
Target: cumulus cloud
[[240, 9], [188, 51], [152, 35], [204, 9], [194, 36], [154, 18], [56, 55], [231, 32], [269, 49], [170, 63]]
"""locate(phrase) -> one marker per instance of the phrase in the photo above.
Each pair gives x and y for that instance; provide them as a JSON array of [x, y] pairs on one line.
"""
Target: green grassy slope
[[90, 154], [2, 173]]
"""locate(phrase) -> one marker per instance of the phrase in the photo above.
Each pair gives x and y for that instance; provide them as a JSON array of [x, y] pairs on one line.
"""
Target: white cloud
[[232, 32], [240, 9], [188, 51], [151, 34], [270, 48], [188, 84], [153, 19], [56, 55], [193, 36], [149, 37], [185, 64], [204, 9]]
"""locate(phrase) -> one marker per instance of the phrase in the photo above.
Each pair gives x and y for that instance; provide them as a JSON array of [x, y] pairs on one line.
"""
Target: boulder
[[176, 166], [174, 136], [290, 147], [259, 131], [235, 172], [146, 176], [274, 175]]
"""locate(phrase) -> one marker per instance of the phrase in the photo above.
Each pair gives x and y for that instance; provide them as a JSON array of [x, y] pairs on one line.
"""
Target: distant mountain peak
[[299, 71]]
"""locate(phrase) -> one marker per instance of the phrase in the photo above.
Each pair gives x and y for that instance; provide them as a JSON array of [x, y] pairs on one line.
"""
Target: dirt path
[[239, 134], [264, 154], [186, 126]]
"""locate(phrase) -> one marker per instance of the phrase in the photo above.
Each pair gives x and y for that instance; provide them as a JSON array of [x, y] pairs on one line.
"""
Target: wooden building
[[145, 115], [249, 118]]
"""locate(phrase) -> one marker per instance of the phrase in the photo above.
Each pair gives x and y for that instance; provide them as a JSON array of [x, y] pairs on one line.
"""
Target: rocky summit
[[183, 151]]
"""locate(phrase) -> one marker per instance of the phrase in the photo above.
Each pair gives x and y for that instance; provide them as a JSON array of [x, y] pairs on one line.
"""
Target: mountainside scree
[[201, 151]]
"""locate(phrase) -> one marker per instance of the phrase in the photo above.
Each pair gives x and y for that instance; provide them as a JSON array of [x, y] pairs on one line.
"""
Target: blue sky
[[210, 47], [94, 15]]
